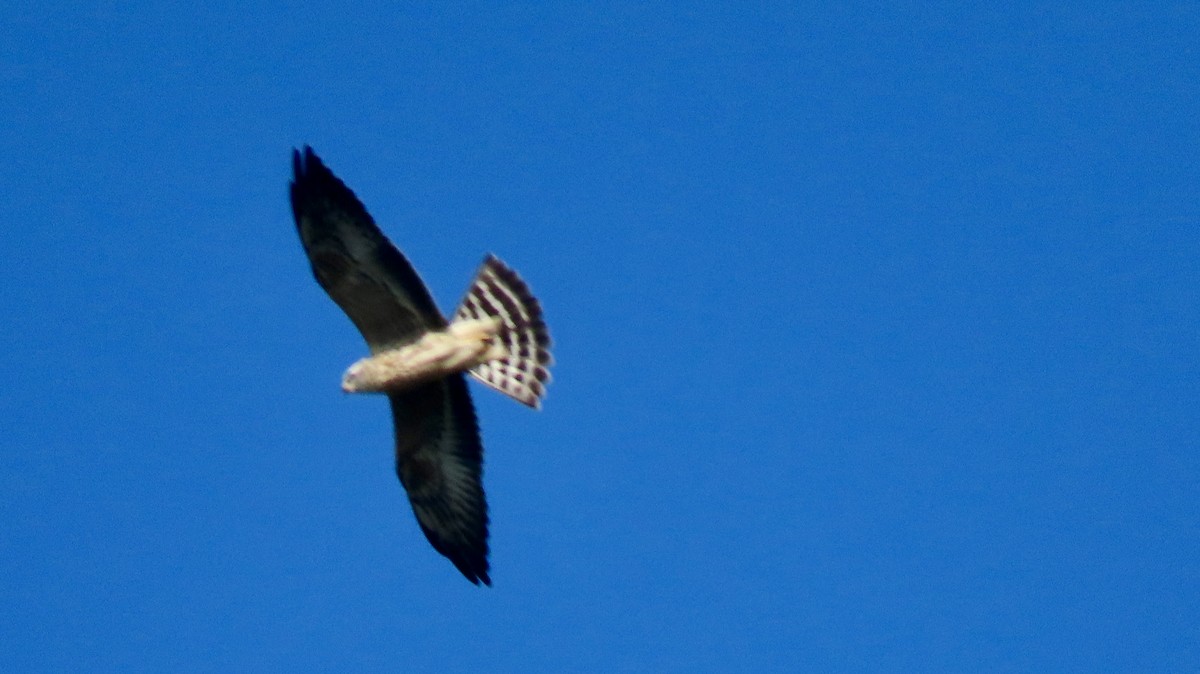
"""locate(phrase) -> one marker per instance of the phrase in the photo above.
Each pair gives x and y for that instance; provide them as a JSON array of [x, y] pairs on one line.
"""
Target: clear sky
[[877, 329]]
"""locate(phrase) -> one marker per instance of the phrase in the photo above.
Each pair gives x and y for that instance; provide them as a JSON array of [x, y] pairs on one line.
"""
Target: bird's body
[[463, 345], [418, 357]]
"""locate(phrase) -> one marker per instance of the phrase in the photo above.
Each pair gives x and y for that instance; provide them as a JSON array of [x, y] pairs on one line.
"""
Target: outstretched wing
[[438, 453], [355, 263], [440, 460], [523, 372]]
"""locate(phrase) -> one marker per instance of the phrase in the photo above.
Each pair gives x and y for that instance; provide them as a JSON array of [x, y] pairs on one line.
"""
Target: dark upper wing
[[439, 460], [352, 260]]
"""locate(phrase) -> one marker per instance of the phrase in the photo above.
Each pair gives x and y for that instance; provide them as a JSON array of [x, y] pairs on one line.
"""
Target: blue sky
[[876, 329]]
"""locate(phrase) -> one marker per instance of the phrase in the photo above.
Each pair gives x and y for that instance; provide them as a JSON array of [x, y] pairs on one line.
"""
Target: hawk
[[418, 357]]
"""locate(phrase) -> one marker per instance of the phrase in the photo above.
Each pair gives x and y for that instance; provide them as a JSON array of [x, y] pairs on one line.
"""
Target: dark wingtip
[[480, 576], [304, 160], [474, 570], [314, 185], [471, 559], [476, 576]]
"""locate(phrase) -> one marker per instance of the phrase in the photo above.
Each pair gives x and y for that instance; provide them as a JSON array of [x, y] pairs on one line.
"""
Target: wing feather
[[439, 460], [368, 277]]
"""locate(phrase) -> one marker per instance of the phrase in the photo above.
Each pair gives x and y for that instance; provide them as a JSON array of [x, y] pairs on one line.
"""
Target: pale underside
[[463, 345]]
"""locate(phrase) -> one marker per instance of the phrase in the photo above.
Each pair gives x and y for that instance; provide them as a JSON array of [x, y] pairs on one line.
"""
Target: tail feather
[[523, 372]]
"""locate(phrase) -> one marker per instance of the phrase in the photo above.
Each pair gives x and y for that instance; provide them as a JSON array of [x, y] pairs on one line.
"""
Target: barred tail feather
[[523, 371]]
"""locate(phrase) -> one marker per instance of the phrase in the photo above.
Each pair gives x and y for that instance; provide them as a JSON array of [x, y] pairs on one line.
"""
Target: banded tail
[[522, 372]]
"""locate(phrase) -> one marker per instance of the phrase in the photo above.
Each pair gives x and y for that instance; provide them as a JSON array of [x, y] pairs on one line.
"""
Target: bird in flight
[[418, 358]]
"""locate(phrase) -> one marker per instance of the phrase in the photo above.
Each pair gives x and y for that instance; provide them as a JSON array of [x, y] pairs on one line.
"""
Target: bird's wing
[[440, 461], [439, 457], [354, 262]]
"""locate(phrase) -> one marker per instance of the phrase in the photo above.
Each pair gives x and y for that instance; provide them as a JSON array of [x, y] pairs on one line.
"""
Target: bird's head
[[360, 377]]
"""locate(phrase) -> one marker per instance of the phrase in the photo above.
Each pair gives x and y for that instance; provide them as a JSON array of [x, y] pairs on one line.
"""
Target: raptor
[[419, 359]]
